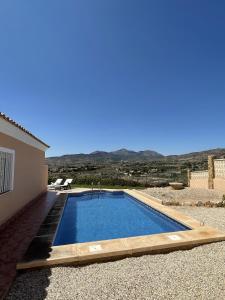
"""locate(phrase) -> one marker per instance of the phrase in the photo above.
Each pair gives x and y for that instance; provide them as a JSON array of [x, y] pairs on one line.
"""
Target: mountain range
[[128, 155]]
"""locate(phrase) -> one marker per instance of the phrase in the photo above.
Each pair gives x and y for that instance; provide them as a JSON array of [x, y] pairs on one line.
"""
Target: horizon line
[[165, 155]]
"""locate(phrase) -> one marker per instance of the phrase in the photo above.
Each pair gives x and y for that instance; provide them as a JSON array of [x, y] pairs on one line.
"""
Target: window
[[7, 158]]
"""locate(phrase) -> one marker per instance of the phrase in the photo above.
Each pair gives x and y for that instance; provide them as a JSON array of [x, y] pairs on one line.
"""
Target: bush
[[222, 203], [171, 203], [106, 181], [209, 204]]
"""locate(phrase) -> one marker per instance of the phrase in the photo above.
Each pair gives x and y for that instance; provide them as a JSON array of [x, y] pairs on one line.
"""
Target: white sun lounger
[[56, 183], [65, 185]]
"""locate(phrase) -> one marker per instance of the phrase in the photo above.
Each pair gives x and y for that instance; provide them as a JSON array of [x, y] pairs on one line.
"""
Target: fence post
[[189, 177], [211, 171]]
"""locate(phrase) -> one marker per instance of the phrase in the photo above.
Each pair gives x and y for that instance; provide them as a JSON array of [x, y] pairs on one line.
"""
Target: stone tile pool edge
[[91, 252]]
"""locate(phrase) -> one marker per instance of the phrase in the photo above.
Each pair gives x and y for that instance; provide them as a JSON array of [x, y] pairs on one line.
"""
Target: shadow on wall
[[17, 234]]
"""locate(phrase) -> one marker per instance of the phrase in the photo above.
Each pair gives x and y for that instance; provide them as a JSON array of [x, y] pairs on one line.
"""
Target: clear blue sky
[[105, 74]]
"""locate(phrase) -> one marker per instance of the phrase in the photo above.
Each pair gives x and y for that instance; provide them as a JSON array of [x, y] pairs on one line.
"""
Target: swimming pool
[[96, 216]]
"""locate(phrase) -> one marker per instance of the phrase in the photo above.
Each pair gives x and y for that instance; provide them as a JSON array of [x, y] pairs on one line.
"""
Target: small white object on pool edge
[[174, 237], [95, 248]]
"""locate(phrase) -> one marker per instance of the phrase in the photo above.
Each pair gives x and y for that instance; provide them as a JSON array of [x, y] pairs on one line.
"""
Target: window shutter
[[6, 171]]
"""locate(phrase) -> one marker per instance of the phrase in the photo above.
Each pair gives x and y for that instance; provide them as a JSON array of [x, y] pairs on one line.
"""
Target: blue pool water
[[102, 216]]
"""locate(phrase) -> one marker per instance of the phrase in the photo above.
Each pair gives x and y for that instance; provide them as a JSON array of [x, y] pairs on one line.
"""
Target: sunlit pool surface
[[96, 216]]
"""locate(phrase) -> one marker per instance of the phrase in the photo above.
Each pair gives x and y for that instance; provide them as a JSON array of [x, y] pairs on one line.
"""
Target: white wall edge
[[18, 134]]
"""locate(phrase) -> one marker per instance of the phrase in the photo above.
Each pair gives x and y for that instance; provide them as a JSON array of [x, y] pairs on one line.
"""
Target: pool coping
[[90, 252]]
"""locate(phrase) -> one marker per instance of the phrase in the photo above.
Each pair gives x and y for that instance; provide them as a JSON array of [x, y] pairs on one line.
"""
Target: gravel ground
[[195, 274], [187, 195]]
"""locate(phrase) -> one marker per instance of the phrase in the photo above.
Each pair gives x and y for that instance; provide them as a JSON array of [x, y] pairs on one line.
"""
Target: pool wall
[[84, 253]]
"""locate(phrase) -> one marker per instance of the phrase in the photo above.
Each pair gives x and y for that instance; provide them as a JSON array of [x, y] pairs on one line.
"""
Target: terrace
[[30, 217]]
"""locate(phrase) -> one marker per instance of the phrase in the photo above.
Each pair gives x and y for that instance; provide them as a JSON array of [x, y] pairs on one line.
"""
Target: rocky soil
[[186, 196]]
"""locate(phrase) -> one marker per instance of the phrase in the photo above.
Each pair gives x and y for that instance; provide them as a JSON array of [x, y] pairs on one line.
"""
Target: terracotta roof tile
[[3, 116]]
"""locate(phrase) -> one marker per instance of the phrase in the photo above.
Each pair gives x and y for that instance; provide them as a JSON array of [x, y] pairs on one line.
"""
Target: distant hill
[[219, 152], [104, 157], [128, 155]]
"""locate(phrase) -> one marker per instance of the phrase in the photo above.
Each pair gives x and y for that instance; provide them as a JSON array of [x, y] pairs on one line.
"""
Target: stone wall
[[199, 179], [219, 167], [213, 178], [219, 184], [219, 180]]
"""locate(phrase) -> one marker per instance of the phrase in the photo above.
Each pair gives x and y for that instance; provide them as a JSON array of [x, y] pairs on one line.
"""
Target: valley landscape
[[128, 168]]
